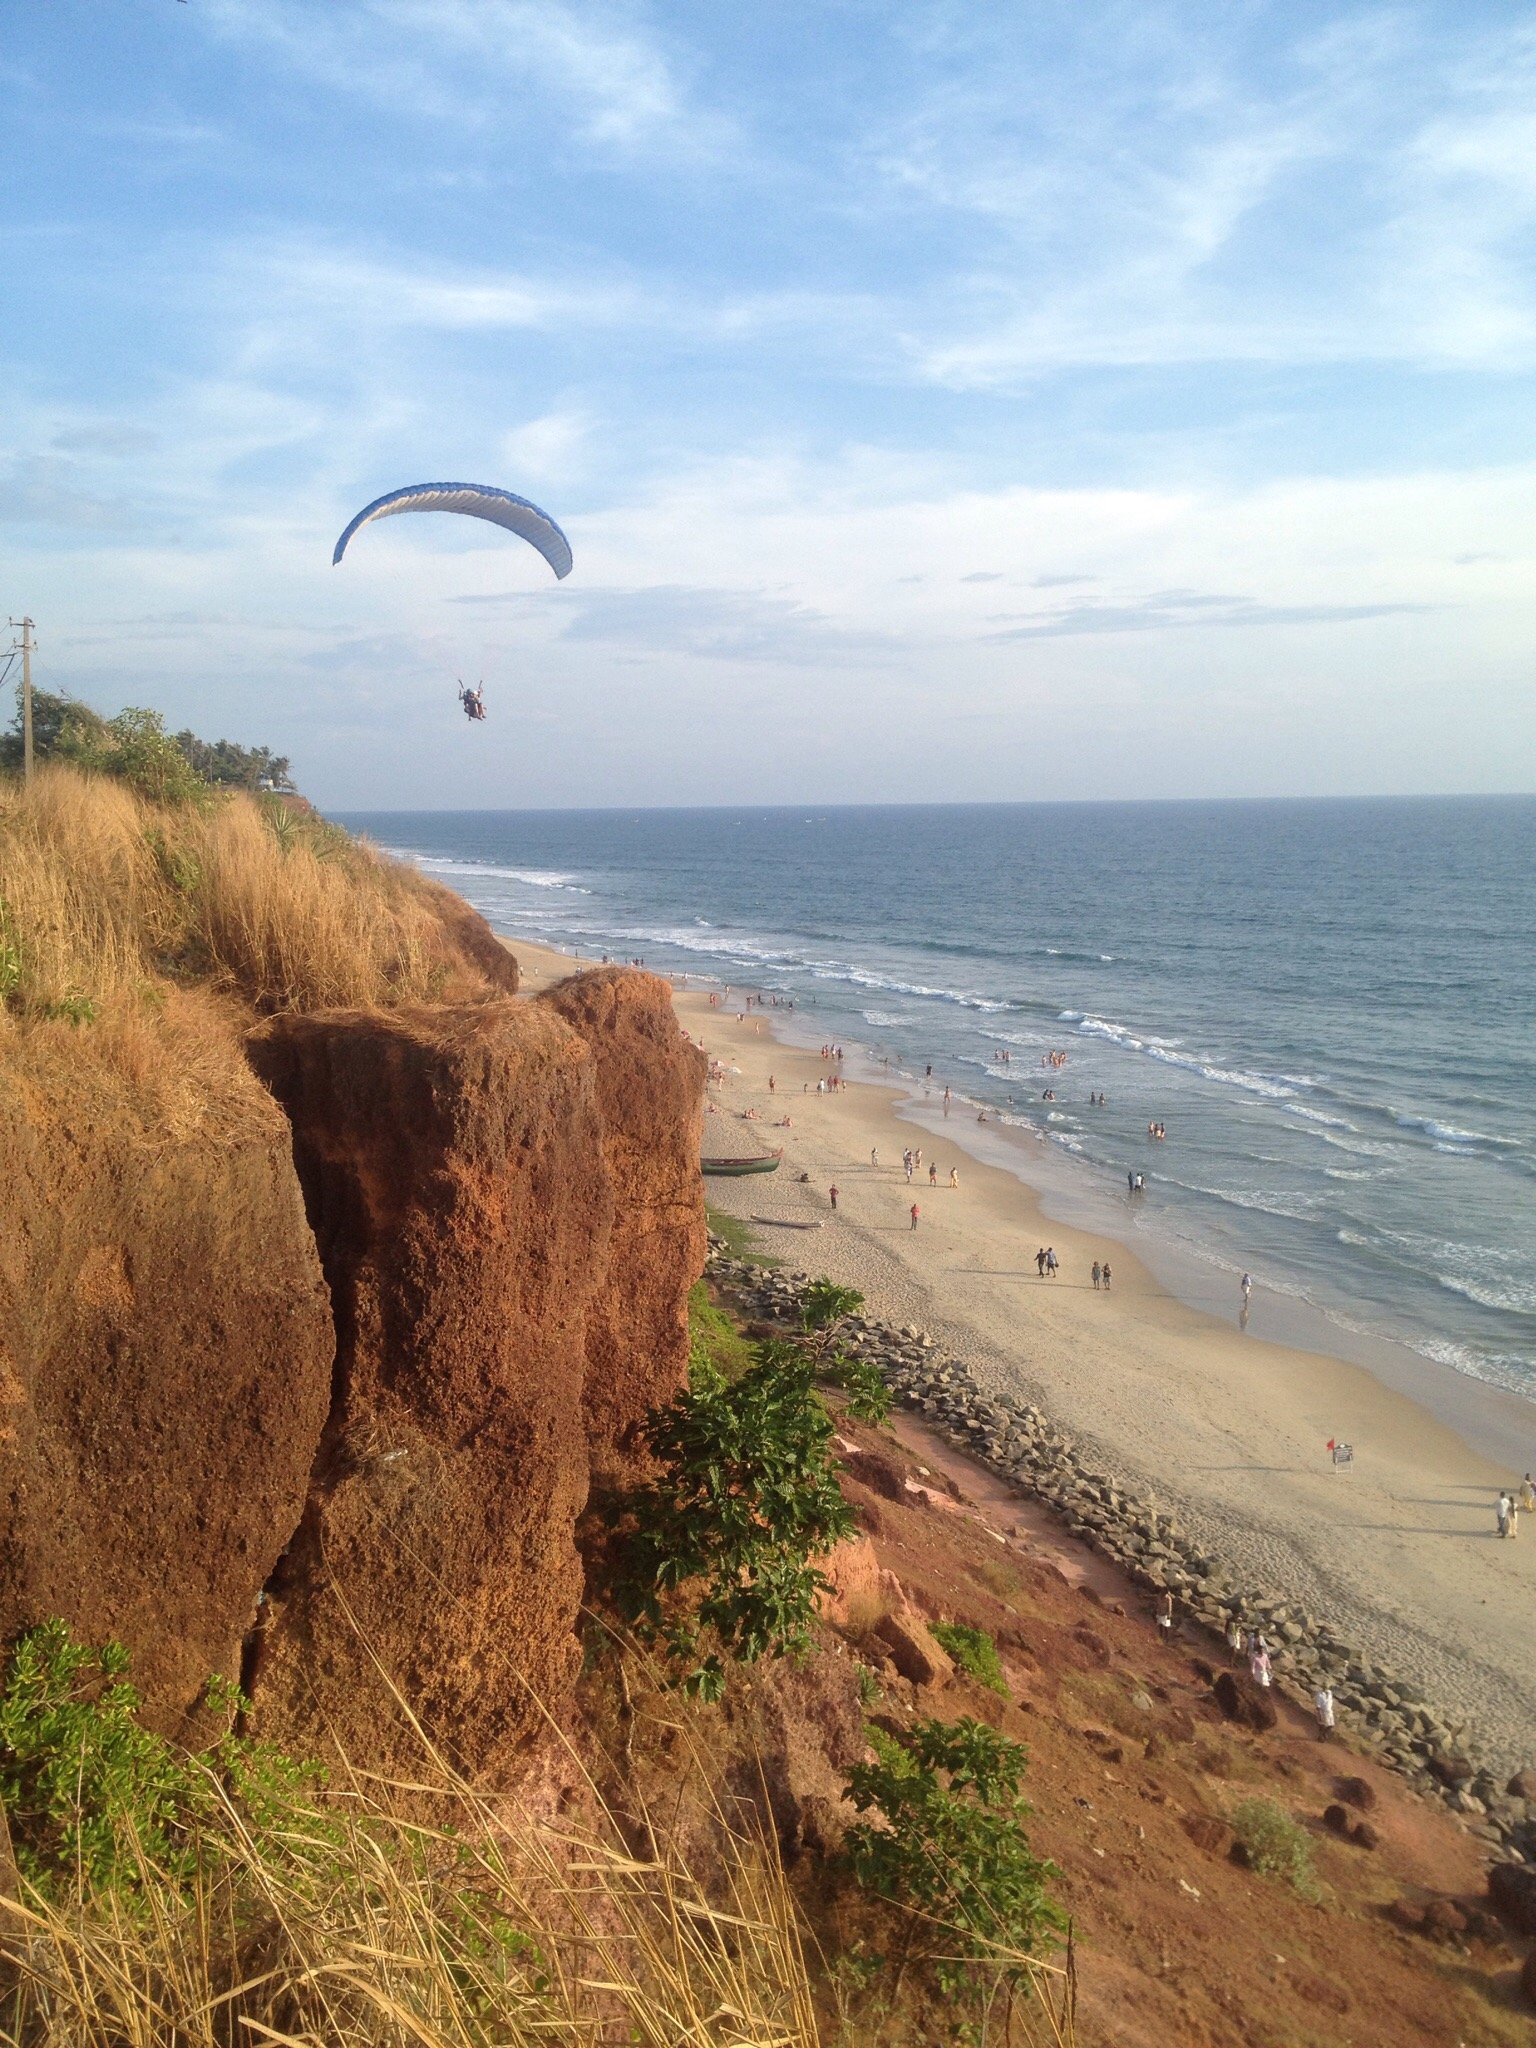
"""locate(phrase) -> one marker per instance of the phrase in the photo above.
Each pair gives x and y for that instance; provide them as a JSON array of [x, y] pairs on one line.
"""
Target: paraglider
[[475, 501], [473, 701]]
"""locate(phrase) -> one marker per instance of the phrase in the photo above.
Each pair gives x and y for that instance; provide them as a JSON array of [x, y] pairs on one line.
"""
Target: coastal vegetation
[[720, 1561], [230, 1894], [945, 1843], [135, 747], [1274, 1845], [113, 898], [974, 1652]]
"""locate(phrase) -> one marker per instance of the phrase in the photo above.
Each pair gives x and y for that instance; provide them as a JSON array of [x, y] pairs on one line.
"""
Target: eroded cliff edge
[[315, 1320]]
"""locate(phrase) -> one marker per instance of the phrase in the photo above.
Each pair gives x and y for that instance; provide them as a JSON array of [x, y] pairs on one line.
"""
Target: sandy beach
[[1399, 1553]]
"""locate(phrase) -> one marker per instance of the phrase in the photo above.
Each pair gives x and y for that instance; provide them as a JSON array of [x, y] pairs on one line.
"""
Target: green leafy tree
[[225, 765], [60, 725], [947, 1845], [824, 1311]]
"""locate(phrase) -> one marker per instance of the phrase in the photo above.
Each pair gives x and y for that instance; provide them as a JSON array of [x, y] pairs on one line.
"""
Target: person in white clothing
[[1322, 1706]]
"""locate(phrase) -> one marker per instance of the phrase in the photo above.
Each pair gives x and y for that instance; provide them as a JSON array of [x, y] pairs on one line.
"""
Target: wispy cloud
[[1181, 610], [1368, 197], [456, 60], [724, 625]]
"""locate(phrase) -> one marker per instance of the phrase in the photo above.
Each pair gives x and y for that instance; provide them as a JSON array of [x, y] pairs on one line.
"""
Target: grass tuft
[[974, 1651]]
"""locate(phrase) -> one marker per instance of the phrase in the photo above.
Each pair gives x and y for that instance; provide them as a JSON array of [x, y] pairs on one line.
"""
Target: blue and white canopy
[[477, 501]]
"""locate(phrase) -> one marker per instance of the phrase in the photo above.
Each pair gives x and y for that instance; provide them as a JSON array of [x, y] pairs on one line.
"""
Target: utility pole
[[26, 696]]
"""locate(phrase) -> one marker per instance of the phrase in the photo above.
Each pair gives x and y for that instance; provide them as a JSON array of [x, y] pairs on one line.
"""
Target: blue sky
[[992, 401]]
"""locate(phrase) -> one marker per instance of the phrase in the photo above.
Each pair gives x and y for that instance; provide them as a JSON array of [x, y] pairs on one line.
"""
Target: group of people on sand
[[1510, 1507]]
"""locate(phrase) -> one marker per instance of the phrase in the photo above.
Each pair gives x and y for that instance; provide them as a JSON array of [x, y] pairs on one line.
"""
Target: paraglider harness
[[473, 701]]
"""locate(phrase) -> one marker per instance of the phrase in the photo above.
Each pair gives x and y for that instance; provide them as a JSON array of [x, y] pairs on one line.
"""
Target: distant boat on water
[[759, 1162]]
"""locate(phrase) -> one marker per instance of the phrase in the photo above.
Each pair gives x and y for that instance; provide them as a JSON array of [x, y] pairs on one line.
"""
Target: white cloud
[[548, 447]]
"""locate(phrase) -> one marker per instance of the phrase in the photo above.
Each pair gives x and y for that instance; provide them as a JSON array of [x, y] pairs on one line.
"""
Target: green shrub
[[136, 748], [94, 1801], [951, 1850], [974, 1651], [747, 1498], [824, 1308], [1276, 1846]]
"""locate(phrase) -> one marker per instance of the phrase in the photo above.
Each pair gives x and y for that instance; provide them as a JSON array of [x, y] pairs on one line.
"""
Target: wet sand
[[1399, 1553]]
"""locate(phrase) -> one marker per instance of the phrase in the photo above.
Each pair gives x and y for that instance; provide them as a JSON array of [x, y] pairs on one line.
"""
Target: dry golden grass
[[137, 942], [356, 1923], [353, 1927]]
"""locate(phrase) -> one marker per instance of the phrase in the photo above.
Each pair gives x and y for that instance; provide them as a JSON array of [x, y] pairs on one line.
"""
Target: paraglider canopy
[[477, 501]]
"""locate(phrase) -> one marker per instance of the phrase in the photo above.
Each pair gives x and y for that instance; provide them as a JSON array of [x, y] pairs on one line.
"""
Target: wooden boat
[[788, 1222], [759, 1162]]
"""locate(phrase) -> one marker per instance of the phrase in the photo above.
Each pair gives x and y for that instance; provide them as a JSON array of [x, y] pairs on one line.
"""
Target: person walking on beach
[[1322, 1706], [832, 1194], [1165, 1617], [933, 1173], [946, 1102], [954, 1176], [1260, 1666], [874, 1155], [1098, 1272], [1052, 1265], [1502, 1513], [1106, 1276], [1528, 1495], [1246, 1283], [906, 1164], [912, 1212], [1235, 1640], [1040, 1262]]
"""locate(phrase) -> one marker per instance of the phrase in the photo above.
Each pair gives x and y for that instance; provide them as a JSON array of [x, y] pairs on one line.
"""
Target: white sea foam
[[478, 870], [1449, 1134], [1274, 1087], [1320, 1116]]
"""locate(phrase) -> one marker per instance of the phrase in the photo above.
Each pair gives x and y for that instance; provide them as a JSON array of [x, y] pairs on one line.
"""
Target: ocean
[[1330, 1006]]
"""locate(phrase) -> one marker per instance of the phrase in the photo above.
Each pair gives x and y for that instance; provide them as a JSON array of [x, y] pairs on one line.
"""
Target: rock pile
[[1384, 1714]]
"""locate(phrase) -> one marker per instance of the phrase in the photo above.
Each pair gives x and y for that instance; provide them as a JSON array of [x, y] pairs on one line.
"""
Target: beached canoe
[[787, 1222], [760, 1162]]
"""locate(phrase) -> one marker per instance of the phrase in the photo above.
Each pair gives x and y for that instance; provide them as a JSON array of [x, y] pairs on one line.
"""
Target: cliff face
[[165, 1367], [452, 1163], [311, 1329], [481, 1183], [650, 1089]]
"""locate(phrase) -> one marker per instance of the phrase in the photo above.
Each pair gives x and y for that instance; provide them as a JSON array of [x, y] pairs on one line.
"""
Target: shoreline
[[1399, 1554]]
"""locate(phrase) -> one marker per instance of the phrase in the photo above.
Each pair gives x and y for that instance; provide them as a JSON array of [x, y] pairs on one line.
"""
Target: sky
[[1000, 401]]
